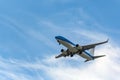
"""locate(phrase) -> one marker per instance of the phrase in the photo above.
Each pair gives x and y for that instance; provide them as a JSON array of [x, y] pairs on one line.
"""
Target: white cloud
[[106, 68], [101, 69], [91, 34]]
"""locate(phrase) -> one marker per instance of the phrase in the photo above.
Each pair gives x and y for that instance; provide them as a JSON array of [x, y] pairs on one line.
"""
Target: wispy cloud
[[104, 68], [96, 70], [91, 34]]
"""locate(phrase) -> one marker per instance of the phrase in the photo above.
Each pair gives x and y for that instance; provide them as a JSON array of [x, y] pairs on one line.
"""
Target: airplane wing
[[60, 55], [63, 53], [86, 47]]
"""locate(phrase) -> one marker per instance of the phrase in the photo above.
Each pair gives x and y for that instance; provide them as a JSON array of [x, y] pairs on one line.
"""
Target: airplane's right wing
[[60, 55], [86, 47], [68, 52], [63, 53]]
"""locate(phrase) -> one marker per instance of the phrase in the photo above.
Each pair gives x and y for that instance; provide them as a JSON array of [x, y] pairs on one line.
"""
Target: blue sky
[[28, 47]]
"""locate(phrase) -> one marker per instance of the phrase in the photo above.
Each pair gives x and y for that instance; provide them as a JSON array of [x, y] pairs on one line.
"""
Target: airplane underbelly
[[85, 56], [66, 44]]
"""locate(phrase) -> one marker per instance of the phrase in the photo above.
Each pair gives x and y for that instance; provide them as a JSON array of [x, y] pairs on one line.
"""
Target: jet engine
[[78, 47], [62, 50]]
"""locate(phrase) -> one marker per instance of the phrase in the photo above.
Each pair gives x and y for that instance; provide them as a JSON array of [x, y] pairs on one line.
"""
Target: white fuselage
[[85, 51], [72, 48]]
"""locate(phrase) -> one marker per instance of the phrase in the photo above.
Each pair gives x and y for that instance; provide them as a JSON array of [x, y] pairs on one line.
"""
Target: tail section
[[95, 57], [92, 51]]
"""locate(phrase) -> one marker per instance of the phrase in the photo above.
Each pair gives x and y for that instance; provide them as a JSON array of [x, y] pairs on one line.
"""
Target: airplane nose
[[56, 37]]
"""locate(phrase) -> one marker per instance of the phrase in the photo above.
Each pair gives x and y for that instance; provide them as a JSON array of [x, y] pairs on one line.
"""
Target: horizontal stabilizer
[[95, 57]]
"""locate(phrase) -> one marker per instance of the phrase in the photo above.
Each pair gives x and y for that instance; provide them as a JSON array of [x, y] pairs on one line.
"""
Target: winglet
[[107, 40]]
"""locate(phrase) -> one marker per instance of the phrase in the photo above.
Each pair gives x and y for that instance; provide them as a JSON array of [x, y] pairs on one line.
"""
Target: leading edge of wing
[[93, 45]]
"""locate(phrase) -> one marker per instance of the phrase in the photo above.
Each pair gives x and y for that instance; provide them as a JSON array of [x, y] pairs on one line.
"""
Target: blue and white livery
[[86, 51]]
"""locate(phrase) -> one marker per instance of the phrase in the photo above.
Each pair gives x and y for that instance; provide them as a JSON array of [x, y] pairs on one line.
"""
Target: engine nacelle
[[78, 47], [62, 50]]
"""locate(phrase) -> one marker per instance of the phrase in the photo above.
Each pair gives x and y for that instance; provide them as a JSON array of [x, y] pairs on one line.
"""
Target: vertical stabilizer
[[92, 50]]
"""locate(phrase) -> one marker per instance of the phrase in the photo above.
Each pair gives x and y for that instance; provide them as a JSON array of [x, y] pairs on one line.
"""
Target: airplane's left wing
[[86, 47]]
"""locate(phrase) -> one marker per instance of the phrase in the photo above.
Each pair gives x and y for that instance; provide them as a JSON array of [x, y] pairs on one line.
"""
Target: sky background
[[28, 46]]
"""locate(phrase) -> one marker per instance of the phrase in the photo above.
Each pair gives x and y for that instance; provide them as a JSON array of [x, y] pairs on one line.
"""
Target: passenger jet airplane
[[86, 51]]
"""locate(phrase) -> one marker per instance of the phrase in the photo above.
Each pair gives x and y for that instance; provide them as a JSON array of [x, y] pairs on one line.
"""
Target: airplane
[[85, 51]]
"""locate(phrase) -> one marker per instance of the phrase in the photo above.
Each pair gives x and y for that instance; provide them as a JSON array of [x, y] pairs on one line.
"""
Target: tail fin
[[95, 57], [92, 51]]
